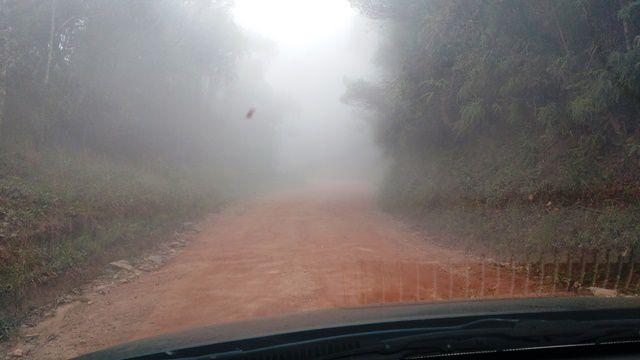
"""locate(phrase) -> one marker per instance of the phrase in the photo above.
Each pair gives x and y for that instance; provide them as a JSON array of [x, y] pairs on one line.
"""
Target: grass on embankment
[[533, 230], [64, 212], [511, 200]]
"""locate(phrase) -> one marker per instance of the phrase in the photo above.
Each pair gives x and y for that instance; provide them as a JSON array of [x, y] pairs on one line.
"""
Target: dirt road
[[288, 253]]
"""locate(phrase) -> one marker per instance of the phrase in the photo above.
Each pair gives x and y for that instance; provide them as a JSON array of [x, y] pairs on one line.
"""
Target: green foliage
[[8, 325], [118, 118], [626, 71], [545, 71], [471, 116], [596, 96], [552, 121], [627, 11], [68, 208], [539, 105], [146, 81]]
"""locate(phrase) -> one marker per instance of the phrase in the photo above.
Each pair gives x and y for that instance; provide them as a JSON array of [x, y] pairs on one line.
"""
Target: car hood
[[349, 317]]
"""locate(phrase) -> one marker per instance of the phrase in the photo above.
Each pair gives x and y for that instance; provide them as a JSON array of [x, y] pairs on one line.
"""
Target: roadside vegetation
[[57, 216], [118, 122], [512, 124]]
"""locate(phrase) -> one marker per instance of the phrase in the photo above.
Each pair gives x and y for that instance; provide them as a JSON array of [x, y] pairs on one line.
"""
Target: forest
[[118, 121], [509, 131], [512, 125]]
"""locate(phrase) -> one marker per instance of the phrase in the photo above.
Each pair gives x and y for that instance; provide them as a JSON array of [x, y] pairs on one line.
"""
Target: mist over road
[[319, 247]]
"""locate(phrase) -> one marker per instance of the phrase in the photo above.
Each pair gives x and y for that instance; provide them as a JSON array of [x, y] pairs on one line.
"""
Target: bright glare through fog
[[318, 43], [292, 22]]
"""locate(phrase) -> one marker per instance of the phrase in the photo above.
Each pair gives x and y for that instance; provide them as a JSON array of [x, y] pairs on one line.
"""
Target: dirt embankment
[[293, 252]]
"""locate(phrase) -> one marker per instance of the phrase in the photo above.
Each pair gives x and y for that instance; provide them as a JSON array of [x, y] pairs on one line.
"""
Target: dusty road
[[287, 253]]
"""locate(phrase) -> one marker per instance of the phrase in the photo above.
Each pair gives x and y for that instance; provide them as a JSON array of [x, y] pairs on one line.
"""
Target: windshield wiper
[[505, 335], [486, 335]]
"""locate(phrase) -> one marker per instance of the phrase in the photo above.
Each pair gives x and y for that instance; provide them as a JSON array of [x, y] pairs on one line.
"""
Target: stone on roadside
[[177, 244], [101, 289], [191, 226], [17, 353], [602, 292], [156, 259], [146, 267], [122, 264]]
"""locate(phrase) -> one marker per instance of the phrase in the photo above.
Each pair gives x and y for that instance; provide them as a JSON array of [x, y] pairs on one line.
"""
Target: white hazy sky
[[319, 43], [294, 22]]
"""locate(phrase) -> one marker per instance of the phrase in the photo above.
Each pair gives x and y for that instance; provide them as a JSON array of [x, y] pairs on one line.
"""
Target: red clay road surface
[[296, 251]]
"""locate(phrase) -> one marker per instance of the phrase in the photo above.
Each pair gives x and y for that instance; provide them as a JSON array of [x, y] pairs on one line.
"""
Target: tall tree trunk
[[52, 29], [625, 28], [563, 41], [4, 60], [42, 130], [3, 94]]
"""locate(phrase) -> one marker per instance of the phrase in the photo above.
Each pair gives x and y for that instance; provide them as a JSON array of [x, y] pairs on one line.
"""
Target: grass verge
[[64, 213]]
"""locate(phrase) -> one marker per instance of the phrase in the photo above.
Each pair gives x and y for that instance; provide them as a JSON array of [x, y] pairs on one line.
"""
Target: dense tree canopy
[[545, 90], [130, 79], [511, 122], [119, 119]]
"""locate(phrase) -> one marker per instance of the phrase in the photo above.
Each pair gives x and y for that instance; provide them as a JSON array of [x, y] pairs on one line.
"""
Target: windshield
[[173, 164]]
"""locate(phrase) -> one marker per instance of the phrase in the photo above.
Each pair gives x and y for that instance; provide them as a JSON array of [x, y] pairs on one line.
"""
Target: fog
[[274, 156], [316, 46], [228, 92]]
